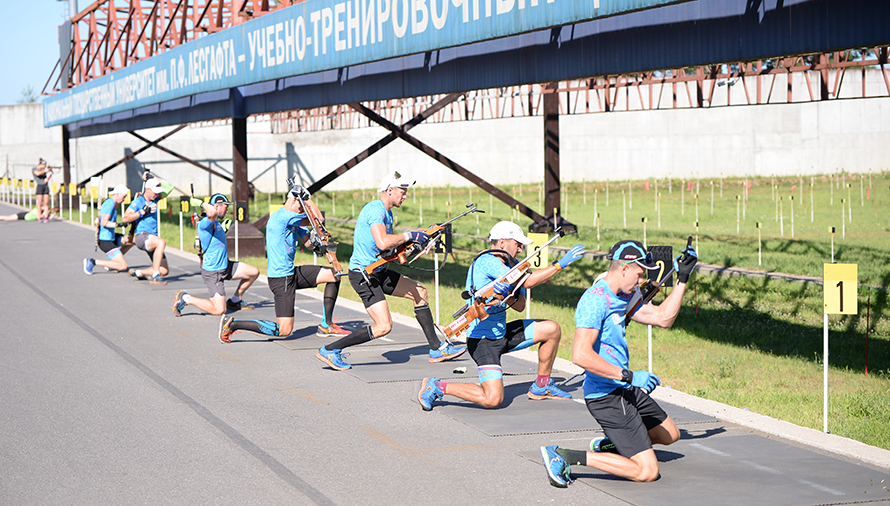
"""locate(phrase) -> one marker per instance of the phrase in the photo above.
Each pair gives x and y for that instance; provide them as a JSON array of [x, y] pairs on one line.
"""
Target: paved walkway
[[109, 399]]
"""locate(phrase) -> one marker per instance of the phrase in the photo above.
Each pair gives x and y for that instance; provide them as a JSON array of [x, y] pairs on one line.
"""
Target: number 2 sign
[[840, 283]]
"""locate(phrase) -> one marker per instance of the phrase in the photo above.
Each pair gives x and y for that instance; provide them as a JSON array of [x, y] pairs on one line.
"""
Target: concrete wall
[[776, 139]]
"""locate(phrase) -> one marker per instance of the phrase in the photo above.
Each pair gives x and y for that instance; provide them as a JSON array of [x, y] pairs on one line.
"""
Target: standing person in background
[[283, 230], [618, 398], [216, 267], [143, 211], [42, 173], [373, 234], [107, 240]]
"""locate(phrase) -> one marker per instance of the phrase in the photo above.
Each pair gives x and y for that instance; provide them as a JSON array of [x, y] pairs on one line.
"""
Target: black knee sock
[[425, 319], [259, 326], [362, 335], [331, 290], [573, 457]]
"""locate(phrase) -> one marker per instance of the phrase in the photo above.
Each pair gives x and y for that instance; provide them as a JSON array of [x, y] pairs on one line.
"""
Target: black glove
[[685, 264], [147, 209], [298, 192], [419, 237], [120, 224]]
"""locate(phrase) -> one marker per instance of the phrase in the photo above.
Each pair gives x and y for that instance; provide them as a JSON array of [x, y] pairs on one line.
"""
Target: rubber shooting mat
[[521, 415], [739, 470], [411, 363]]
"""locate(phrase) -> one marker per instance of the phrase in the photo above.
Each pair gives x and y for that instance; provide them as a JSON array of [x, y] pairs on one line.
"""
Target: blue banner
[[318, 35]]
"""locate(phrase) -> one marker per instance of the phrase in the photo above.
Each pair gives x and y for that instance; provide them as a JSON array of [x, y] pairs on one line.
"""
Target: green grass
[[750, 343]]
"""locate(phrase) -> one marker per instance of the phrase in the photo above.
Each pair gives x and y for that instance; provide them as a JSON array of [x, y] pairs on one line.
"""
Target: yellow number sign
[[840, 284], [540, 260], [162, 204]]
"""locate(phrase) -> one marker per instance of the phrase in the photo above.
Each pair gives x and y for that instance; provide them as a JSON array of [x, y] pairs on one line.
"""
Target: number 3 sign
[[840, 283]]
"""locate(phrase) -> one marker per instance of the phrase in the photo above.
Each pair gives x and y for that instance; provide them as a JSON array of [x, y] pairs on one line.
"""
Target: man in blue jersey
[[489, 339], [373, 234], [108, 241], [285, 228], [143, 210], [618, 398], [216, 267]]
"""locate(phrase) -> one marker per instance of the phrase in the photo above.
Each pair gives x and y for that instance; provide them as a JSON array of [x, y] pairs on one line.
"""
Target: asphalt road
[[107, 398]]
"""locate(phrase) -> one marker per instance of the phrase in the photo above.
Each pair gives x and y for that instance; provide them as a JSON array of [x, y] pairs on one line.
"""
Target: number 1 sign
[[840, 284]]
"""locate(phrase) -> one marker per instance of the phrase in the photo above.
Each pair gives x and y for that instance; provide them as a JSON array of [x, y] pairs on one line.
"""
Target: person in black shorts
[[41, 174], [216, 267], [107, 240], [616, 397], [373, 234], [283, 231]]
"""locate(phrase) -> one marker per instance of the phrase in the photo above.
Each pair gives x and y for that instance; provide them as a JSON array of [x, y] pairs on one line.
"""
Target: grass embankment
[[750, 343]]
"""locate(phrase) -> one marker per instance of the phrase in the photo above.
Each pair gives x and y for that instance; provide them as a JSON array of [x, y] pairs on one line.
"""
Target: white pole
[[650, 347], [436, 276], [180, 227], [528, 304], [236, 244], [825, 374]]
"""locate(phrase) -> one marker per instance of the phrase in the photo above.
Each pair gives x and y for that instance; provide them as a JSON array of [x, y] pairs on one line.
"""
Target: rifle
[[647, 291], [483, 298], [199, 249], [408, 248], [319, 237]]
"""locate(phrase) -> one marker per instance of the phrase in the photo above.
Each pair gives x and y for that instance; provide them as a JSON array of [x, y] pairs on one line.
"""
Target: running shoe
[[557, 468], [236, 306], [178, 303], [333, 330], [602, 445], [551, 391], [157, 280], [88, 265], [446, 353], [225, 329], [429, 393], [136, 274], [332, 358]]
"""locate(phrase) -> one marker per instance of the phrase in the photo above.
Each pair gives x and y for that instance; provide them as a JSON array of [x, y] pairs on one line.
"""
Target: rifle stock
[[408, 248]]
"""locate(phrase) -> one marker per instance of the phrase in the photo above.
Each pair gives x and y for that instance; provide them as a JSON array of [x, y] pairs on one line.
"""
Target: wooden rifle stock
[[326, 243], [402, 251]]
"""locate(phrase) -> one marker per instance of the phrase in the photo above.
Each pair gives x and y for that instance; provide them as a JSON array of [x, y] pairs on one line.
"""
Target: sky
[[29, 36]]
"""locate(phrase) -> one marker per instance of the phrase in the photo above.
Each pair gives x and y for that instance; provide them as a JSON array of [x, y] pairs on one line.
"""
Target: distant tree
[[28, 96]]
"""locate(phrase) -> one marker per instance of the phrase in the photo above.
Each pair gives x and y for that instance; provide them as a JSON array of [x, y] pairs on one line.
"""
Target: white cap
[[508, 230], [154, 184], [395, 180], [120, 189]]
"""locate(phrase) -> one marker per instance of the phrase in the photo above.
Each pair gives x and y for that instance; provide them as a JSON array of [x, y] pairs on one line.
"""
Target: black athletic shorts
[[213, 280], [41, 189], [489, 351], [107, 246], [21, 215], [381, 283], [285, 288], [626, 416]]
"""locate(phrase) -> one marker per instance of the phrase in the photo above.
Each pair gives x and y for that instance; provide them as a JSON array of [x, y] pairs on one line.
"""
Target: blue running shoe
[[178, 303], [88, 265], [557, 468], [332, 358], [603, 445], [429, 393], [447, 352], [551, 391]]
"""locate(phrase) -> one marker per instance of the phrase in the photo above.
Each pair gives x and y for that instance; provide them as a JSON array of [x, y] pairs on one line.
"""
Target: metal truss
[[860, 73], [113, 34]]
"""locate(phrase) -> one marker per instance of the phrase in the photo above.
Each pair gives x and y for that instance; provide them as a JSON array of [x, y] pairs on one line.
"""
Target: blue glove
[[576, 253], [645, 380], [503, 289], [685, 263], [419, 237]]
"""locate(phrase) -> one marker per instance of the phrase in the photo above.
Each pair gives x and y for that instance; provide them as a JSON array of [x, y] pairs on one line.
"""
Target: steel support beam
[[377, 146], [183, 158], [551, 153], [131, 155], [240, 189], [447, 162]]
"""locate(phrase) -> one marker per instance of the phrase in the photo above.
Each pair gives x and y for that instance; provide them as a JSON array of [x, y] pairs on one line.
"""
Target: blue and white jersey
[[213, 243], [109, 207], [283, 230], [484, 270], [149, 222], [603, 310], [364, 248]]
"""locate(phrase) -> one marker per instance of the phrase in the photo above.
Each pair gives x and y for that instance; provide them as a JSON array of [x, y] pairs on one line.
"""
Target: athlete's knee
[[381, 329], [646, 475], [548, 329], [219, 308], [492, 401], [285, 329]]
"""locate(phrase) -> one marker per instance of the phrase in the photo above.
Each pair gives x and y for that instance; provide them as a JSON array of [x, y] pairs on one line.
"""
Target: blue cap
[[632, 251]]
